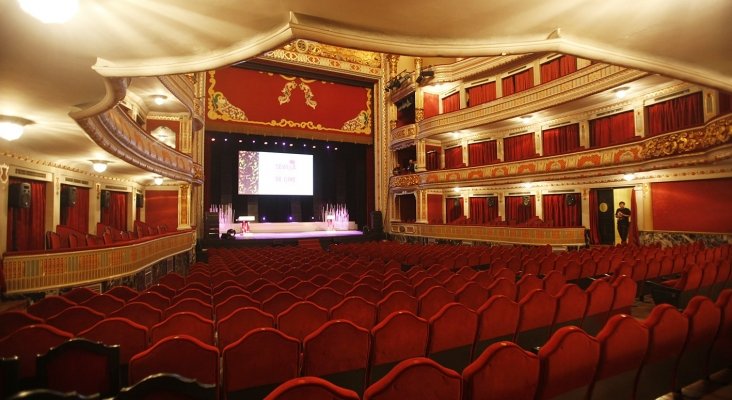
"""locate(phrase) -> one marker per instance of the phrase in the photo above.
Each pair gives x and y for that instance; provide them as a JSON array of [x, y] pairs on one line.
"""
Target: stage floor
[[295, 235]]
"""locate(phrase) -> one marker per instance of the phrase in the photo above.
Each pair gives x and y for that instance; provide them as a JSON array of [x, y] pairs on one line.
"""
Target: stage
[[295, 235], [286, 234]]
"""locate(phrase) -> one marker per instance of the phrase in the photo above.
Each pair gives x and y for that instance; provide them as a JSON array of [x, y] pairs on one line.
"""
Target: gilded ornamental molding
[[714, 134], [494, 234], [323, 56], [404, 180]]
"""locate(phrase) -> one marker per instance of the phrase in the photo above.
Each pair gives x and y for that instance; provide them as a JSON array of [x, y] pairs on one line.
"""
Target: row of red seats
[[627, 359]]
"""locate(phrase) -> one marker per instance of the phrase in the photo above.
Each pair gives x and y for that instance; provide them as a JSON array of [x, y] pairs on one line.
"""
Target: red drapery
[[519, 147], [431, 104], [594, 218], [161, 208], [407, 207], [613, 129], [482, 153], [432, 157], [480, 210], [558, 68], [77, 216], [562, 210], [454, 157], [517, 212], [633, 231], [453, 208], [434, 208], [480, 94], [116, 214], [675, 114], [27, 226], [451, 103], [518, 82], [563, 139], [725, 103]]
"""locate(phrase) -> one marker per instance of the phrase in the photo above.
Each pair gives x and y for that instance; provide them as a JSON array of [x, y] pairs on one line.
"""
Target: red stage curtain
[[116, 214], [451, 103], [432, 157], [483, 153], [480, 94], [558, 68], [518, 82], [77, 216], [453, 208], [613, 129], [560, 140], [517, 212], [633, 231], [675, 114], [519, 147], [26, 226], [557, 212], [454, 157], [434, 208], [594, 218], [431, 104]]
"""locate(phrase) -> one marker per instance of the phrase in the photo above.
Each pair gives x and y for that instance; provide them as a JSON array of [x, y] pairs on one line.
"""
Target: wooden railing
[[33, 272]]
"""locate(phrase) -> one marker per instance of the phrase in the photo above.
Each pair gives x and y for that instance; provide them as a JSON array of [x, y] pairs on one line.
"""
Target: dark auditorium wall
[[161, 208], [692, 206]]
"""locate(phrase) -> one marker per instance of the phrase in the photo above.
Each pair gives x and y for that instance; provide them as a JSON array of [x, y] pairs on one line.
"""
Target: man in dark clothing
[[623, 217]]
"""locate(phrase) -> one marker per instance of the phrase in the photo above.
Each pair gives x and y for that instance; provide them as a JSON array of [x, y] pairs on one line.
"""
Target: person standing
[[623, 216]]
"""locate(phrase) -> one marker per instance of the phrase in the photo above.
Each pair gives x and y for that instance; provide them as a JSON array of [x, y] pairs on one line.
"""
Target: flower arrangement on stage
[[339, 212]]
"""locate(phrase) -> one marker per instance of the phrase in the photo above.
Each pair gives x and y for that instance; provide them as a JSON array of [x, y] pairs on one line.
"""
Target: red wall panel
[[692, 206], [161, 208]]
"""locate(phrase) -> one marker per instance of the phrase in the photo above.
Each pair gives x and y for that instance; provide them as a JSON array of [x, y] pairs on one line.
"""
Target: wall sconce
[[99, 165], [159, 99], [50, 11], [11, 128], [158, 180]]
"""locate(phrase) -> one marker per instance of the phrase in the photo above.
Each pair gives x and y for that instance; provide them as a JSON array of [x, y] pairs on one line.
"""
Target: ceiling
[[48, 71]]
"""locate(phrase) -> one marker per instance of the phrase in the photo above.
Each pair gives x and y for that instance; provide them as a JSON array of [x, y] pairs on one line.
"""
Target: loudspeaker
[[68, 196], [139, 200], [571, 199], [19, 195], [106, 198], [376, 222]]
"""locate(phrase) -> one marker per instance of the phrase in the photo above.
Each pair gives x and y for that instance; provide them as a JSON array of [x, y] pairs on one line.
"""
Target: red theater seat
[[258, 362], [49, 306], [192, 293], [183, 323], [721, 354], [75, 319], [396, 301], [104, 303], [223, 294], [240, 322], [417, 378], [163, 290], [233, 303], [279, 302], [122, 292], [571, 306], [537, 310], [600, 296], [193, 305], [472, 295], [301, 319], [526, 285], [29, 341], [452, 333], [132, 338], [568, 364], [152, 299], [168, 387], [399, 336], [311, 388], [704, 318], [503, 371], [679, 291], [625, 290], [10, 321], [79, 294], [497, 320], [181, 355], [503, 287], [326, 297], [433, 300], [140, 313]]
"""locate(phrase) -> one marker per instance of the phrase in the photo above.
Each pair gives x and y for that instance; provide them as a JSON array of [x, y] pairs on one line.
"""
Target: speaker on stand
[[19, 195], [377, 224]]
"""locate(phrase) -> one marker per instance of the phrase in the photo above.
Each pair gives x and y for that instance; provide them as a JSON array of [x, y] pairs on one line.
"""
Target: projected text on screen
[[275, 173]]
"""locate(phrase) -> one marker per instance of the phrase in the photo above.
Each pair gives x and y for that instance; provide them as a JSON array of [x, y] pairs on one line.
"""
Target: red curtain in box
[[407, 207], [692, 206], [161, 208], [483, 153], [116, 214], [451, 103], [480, 94], [26, 226], [453, 208], [432, 157], [454, 157], [434, 208], [675, 114], [519, 147], [558, 68], [594, 218], [480, 210], [563, 139], [725, 103], [518, 82], [562, 210], [613, 129], [517, 211], [633, 237], [431, 103], [77, 216]]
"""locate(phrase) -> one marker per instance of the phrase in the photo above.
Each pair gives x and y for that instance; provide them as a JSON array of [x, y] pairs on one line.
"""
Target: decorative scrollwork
[[404, 180], [716, 133]]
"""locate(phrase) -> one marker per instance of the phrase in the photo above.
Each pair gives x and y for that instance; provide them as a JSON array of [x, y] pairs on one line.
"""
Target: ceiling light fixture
[[50, 11], [99, 165], [158, 180], [11, 128], [526, 119], [621, 92], [159, 99], [629, 177]]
